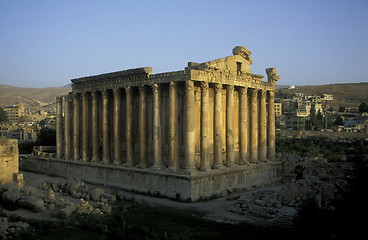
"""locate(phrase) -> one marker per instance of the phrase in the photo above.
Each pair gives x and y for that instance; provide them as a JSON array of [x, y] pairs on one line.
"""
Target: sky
[[310, 42]]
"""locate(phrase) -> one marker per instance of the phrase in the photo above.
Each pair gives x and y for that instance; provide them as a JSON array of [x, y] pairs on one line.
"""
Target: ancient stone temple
[[186, 135]]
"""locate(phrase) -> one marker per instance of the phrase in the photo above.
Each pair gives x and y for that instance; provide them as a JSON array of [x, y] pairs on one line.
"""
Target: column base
[[218, 166]]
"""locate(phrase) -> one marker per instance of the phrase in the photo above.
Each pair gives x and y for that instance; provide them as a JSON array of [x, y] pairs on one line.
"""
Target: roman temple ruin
[[186, 135]]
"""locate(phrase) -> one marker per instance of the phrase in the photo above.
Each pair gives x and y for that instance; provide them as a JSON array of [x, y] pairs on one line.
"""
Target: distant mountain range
[[345, 94], [32, 98]]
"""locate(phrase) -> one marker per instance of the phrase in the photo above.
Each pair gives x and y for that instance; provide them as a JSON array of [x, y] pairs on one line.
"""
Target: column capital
[[141, 87], [84, 94], [204, 85], [116, 91], [243, 90], [217, 87], [189, 85], [94, 93], [254, 92], [172, 85], [263, 93], [105, 92], [76, 96], [155, 87], [59, 99], [271, 93], [230, 88]]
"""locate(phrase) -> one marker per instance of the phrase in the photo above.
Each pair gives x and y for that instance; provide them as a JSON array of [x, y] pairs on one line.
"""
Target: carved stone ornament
[[244, 52], [271, 74]]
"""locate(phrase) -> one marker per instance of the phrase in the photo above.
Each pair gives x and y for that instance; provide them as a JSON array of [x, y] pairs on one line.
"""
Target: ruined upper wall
[[240, 61], [233, 70], [9, 163]]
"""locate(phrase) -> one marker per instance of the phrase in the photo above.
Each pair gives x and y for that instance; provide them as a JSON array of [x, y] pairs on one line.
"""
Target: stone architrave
[[262, 144], [173, 128], [95, 127], [205, 120], [217, 142], [76, 126], [105, 128], [230, 126], [117, 126], [157, 162]]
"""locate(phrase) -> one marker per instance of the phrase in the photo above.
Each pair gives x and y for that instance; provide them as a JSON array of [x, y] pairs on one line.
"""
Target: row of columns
[[257, 130]]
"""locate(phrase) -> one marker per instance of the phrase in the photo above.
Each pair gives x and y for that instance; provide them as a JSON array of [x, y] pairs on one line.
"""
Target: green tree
[[3, 115], [313, 118], [363, 107], [46, 137], [339, 121]]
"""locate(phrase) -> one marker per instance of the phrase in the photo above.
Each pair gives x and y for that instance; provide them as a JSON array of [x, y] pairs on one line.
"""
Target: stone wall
[[179, 185], [8, 159]]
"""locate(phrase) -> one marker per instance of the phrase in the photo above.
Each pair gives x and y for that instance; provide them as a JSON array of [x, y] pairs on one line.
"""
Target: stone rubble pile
[[64, 198], [7, 228]]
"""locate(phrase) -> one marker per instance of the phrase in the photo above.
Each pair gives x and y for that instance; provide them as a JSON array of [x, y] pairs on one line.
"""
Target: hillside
[[345, 94], [32, 98]]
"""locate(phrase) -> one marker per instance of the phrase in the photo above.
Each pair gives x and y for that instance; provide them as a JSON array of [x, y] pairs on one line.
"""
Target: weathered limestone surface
[[210, 118], [9, 163]]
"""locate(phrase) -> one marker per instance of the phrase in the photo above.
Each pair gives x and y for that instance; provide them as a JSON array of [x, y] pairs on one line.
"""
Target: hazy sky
[[47, 43]]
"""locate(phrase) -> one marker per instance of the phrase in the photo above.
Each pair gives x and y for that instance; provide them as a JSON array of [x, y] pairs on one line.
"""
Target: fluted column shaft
[[157, 162], [117, 126], [129, 127], [59, 127], [243, 128], [173, 128], [230, 126], [95, 128], [262, 127], [271, 125], [254, 126], [142, 128], [76, 126], [67, 128], [85, 127], [189, 133], [105, 127], [218, 127], [205, 145]]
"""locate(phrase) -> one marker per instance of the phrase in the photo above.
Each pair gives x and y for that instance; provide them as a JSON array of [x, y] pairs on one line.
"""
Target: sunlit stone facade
[[187, 135]]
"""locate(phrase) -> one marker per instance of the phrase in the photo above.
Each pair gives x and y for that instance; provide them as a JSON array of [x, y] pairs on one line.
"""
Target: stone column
[[189, 131], [105, 127], [218, 128], [173, 128], [117, 126], [129, 127], [157, 162], [230, 126], [262, 127], [205, 121], [243, 125], [271, 125], [76, 126], [254, 125], [85, 127], [142, 128], [59, 127], [67, 128], [95, 128]]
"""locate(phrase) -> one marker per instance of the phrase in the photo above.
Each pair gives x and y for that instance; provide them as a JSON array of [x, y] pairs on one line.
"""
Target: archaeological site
[[186, 135]]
